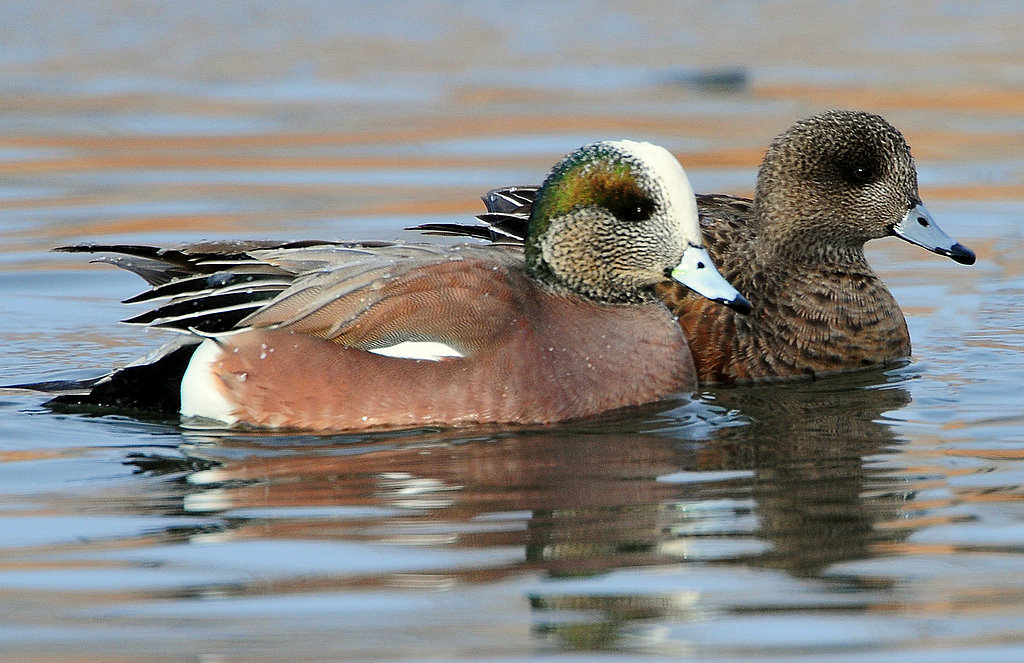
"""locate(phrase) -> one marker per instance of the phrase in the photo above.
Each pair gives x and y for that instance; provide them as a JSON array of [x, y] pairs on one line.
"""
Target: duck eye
[[631, 206], [859, 174]]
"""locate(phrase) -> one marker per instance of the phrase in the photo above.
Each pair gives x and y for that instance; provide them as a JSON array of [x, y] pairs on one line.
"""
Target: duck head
[[615, 218], [834, 181]]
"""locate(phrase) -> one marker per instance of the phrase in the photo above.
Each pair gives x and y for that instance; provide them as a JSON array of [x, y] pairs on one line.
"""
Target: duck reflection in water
[[783, 485]]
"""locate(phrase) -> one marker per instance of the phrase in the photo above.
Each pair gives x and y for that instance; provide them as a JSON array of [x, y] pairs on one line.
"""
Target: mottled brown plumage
[[806, 319], [827, 185]]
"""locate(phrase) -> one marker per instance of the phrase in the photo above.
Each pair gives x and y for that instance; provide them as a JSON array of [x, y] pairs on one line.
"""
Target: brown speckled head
[[832, 182]]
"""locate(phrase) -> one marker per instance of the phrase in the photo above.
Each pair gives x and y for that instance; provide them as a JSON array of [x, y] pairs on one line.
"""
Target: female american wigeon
[[346, 336], [827, 185]]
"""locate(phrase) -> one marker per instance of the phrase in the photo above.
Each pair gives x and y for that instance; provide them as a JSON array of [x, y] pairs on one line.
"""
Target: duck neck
[[801, 240], [806, 253]]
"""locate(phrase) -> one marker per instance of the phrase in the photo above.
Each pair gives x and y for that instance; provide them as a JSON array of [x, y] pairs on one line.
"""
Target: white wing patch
[[429, 350]]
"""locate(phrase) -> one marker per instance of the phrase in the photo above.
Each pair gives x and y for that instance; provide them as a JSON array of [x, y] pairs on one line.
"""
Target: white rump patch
[[202, 398], [429, 350]]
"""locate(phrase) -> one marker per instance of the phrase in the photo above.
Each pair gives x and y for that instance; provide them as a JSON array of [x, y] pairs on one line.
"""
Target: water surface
[[875, 516]]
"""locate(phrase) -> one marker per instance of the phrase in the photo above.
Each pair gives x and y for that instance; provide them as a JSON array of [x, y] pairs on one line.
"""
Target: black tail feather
[[153, 387], [505, 221]]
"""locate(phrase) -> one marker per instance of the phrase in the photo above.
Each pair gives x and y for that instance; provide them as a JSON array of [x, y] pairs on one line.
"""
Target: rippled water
[[869, 517]]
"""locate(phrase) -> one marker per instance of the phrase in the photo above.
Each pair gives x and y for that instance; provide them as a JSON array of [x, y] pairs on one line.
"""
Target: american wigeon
[[827, 185], [347, 336]]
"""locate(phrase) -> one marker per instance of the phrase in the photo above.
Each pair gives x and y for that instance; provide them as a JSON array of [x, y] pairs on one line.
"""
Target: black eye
[[630, 205], [859, 174]]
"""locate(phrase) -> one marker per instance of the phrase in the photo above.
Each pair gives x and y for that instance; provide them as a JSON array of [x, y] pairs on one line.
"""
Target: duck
[[827, 185], [362, 336]]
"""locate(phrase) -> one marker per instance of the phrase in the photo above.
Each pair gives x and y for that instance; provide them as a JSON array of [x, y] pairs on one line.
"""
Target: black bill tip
[[739, 304], [961, 254]]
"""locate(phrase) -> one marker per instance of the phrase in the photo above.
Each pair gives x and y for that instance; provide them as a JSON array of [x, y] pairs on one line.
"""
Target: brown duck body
[[808, 317], [532, 355]]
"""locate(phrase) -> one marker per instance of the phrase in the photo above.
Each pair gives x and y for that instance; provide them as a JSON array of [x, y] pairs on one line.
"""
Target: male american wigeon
[[827, 185], [352, 336]]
